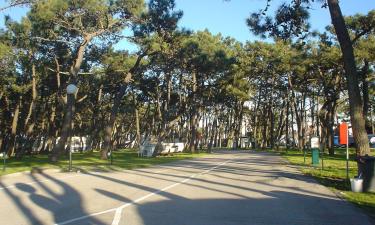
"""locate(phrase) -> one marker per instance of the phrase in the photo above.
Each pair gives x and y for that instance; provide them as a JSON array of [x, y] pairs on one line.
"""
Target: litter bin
[[356, 184], [366, 165], [315, 156]]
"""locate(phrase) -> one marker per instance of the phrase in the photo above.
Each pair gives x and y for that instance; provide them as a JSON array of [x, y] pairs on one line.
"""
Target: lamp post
[[71, 91], [4, 159]]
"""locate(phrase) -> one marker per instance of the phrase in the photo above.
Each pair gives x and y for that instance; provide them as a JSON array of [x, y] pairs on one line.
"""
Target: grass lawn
[[122, 159], [333, 175]]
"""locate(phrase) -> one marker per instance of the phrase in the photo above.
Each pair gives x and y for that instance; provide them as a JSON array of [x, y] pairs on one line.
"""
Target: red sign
[[343, 132]]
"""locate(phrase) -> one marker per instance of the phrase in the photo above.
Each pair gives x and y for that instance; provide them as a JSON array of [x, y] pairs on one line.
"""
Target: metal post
[[4, 158], [71, 111], [372, 122], [347, 155], [70, 105], [111, 157], [304, 156], [70, 155], [71, 91]]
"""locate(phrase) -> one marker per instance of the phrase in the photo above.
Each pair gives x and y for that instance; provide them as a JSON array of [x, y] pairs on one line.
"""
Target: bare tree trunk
[[74, 69], [280, 124], [95, 124], [137, 125], [326, 114], [317, 118], [237, 122], [13, 133], [29, 127], [292, 126], [371, 119], [214, 131], [355, 101], [59, 149], [109, 127], [194, 116], [287, 124], [117, 102], [272, 126], [299, 120], [365, 92]]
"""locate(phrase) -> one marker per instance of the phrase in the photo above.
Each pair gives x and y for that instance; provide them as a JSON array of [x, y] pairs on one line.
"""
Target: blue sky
[[228, 17]]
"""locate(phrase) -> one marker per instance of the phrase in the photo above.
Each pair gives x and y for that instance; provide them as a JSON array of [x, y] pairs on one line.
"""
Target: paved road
[[224, 188]]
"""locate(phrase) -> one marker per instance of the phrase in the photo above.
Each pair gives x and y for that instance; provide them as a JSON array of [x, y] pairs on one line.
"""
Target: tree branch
[[17, 3], [360, 34], [50, 40]]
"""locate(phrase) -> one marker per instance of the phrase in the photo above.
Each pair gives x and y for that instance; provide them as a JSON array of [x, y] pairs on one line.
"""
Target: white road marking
[[118, 210]]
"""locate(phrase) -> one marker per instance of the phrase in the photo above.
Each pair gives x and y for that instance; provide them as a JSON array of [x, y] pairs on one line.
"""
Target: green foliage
[[175, 75], [290, 20]]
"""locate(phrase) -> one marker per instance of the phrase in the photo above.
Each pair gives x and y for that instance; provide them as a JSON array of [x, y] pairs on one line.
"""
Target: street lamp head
[[71, 89]]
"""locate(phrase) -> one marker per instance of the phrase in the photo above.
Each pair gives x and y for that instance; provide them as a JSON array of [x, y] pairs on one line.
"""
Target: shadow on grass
[[337, 183]]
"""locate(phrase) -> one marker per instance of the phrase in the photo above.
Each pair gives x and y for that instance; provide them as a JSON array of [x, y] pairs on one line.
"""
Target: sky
[[229, 17]]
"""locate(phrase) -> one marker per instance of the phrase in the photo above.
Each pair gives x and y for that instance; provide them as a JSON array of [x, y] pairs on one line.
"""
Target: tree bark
[[13, 133], [137, 124], [32, 114], [193, 116], [117, 102], [365, 92], [109, 127], [355, 101], [59, 149]]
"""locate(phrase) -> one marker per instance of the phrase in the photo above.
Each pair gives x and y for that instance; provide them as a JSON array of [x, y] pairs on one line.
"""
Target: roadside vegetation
[[333, 174]]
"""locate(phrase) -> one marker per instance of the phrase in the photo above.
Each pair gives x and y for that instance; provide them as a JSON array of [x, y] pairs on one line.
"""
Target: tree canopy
[[203, 89]]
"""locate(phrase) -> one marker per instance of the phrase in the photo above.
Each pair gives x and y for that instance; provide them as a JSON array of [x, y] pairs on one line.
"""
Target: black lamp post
[[71, 91]]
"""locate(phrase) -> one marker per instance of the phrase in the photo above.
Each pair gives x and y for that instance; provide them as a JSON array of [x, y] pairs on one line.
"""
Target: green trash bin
[[315, 156]]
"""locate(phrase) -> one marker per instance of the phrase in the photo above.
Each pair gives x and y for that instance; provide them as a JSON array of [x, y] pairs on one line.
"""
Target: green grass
[[333, 175], [123, 159]]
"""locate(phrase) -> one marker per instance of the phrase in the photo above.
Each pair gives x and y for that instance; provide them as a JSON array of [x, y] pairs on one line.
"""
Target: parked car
[[337, 144], [371, 138]]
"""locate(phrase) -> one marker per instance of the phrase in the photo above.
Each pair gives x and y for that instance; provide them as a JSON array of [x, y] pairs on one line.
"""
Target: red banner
[[343, 132]]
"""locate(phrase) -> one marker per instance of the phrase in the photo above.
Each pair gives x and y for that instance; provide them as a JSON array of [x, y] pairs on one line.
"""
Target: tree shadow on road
[[277, 208], [27, 212], [62, 201]]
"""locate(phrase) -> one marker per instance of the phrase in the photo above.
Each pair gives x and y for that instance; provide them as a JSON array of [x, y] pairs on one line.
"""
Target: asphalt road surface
[[224, 188]]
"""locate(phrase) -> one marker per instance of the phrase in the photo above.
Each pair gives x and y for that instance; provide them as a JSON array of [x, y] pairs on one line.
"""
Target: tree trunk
[[117, 102], [59, 149], [238, 120], [365, 93], [109, 127], [326, 114], [331, 132], [137, 126], [272, 126], [355, 101], [13, 133], [213, 134], [194, 116], [96, 125], [32, 114]]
